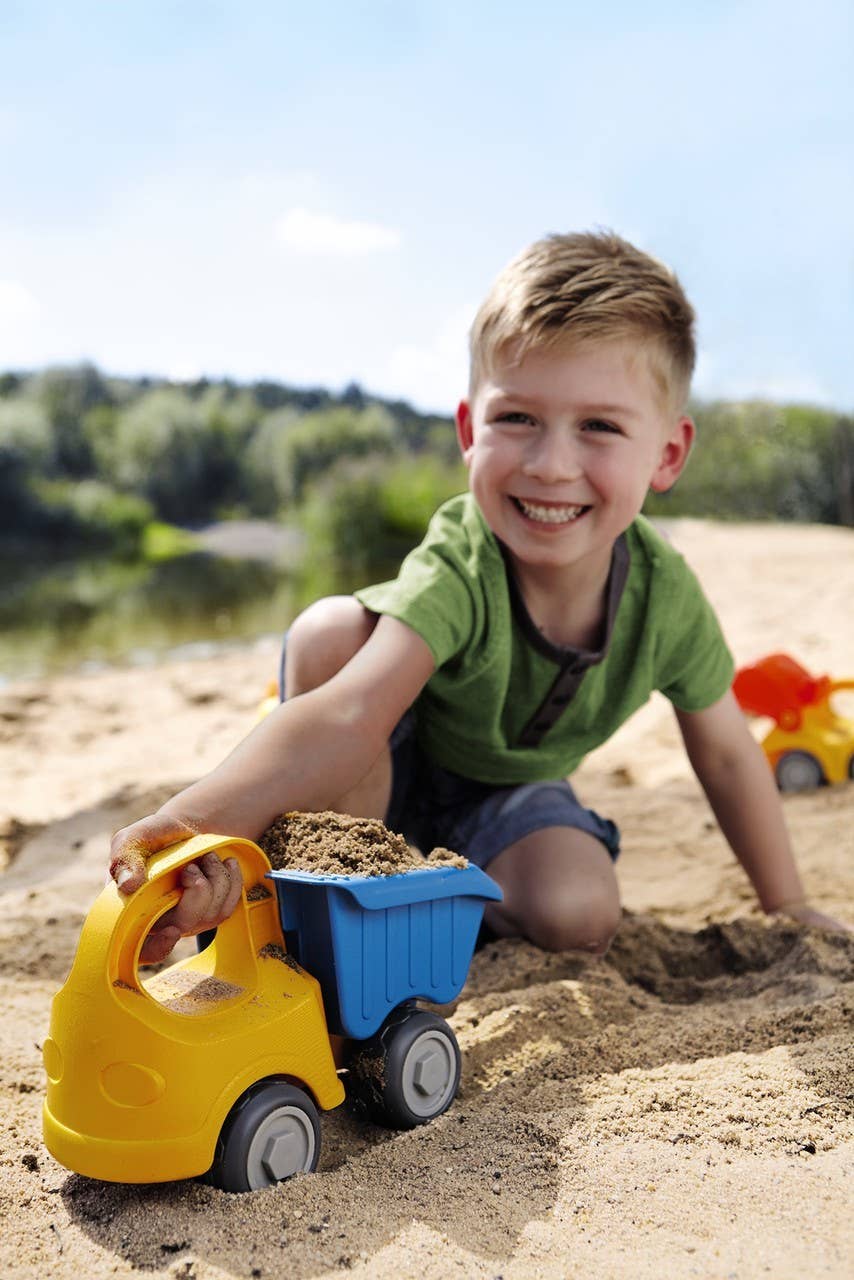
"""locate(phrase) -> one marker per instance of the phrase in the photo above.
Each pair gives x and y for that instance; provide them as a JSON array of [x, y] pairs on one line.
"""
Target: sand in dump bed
[[681, 1109], [334, 844]]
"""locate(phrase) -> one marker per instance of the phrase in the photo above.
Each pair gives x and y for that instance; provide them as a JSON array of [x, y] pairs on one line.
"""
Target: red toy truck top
[[810, 744], [779, 687]]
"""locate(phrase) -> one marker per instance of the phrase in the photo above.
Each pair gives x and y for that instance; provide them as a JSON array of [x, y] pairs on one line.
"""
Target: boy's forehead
[[617, 373]]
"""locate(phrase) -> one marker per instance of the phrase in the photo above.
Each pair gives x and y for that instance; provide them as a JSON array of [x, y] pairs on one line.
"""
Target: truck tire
[[409, 1072], [271, 1133], [798, 771]]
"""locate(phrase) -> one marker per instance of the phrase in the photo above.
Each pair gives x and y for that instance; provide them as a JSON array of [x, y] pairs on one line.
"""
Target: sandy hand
[[210, 891], [803, 913], [132, 846], [210, 888]]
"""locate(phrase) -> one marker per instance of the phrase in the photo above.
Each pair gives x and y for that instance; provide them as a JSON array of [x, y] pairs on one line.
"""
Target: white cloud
[[20, 314], [322, 233], [432, 374], [16, 303]]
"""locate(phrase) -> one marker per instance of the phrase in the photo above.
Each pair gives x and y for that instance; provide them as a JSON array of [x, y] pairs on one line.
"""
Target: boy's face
[[562, 447]]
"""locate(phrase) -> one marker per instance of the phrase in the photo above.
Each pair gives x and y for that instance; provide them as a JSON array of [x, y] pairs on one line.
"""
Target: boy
[[539, 612]]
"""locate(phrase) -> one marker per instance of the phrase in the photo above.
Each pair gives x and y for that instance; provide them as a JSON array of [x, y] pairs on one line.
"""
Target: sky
[[322, 192]]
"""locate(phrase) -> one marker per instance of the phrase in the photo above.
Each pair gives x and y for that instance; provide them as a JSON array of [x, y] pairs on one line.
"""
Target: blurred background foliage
[[108, 487], [760, 461], [89, 460]]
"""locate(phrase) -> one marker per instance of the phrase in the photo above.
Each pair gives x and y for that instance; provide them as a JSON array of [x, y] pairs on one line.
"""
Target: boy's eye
[[598, 424], [514, 415]]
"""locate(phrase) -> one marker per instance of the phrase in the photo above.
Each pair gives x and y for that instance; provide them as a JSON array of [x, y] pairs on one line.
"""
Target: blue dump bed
[[374, 941]]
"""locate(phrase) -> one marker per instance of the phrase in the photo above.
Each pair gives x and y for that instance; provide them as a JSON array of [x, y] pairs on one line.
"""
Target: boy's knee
[[323, 639], [584, 920]]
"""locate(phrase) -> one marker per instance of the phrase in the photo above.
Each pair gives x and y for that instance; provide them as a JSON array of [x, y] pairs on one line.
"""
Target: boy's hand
[[210, 888], [803, 913], [133, 845], [211, 891]]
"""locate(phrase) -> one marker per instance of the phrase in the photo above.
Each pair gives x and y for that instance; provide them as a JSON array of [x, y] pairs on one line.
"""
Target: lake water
[[73, 614]]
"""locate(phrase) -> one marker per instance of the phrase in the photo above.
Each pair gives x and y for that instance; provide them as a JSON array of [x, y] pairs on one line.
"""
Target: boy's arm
[[734, 774], [303, 755]]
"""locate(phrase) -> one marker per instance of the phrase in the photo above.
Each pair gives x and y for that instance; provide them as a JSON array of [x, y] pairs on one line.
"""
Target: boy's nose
[[553, 457]]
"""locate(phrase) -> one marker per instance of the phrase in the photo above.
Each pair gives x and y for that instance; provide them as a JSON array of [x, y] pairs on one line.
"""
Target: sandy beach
[[681, 1108]]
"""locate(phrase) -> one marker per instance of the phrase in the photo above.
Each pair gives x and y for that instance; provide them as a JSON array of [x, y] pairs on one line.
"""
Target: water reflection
[[65, 614]]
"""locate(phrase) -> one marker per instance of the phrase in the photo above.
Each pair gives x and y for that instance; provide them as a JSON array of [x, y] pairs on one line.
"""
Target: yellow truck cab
[[217, 1064]]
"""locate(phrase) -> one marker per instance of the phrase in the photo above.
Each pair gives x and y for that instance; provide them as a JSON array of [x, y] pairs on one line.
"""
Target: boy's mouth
[[549, 512]]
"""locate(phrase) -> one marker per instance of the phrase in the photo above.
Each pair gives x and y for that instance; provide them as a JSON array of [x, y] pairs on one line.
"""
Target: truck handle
[[117, 925]]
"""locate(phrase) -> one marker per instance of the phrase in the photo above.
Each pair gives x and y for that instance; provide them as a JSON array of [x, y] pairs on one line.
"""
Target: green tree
[[757, 461], [323, 438], [26, 443], [66, 394], [266, 463], [167, 448]]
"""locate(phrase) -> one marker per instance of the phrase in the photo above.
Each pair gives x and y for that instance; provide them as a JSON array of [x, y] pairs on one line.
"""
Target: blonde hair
[[569, 290]]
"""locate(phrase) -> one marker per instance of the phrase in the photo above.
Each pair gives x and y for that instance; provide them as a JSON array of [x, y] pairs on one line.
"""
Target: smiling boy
[[538, 613]]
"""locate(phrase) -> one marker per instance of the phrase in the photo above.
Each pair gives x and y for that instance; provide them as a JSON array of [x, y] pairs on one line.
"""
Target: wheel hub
[[428, 1074], [282, 1155]]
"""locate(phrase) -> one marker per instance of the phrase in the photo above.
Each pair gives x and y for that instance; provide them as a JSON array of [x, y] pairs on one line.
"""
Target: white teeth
[[549, 515]]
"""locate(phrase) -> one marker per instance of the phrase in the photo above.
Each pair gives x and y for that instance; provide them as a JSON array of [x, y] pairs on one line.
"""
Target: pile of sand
[[681, 1109], [335, 844]]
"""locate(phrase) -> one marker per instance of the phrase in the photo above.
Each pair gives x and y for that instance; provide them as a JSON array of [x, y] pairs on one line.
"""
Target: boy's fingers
[[191, 912], [225, 884], [159, 943], [131, 846], [211, 890], [803, 913], [218, 879], [236, 887]]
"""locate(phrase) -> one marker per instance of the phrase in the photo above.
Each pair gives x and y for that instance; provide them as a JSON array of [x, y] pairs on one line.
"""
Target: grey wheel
[[798, 771], [409, 1072], [271, 1133]]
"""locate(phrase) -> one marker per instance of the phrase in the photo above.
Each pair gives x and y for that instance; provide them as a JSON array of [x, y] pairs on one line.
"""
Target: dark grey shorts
[[433, 807]]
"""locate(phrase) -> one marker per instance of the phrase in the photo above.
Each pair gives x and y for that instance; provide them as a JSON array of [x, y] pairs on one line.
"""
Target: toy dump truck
[[217, 1065], [810, 744]]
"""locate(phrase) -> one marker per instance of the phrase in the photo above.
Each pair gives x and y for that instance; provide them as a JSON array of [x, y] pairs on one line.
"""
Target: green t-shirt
[[505, 707]]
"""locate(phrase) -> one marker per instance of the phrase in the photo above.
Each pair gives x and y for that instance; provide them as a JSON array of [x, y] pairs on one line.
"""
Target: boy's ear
[[465, 428], [674, 455]]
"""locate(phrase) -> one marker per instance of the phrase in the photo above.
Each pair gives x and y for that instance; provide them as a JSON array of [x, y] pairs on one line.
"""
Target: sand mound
[[680, 1109], [335, 844]]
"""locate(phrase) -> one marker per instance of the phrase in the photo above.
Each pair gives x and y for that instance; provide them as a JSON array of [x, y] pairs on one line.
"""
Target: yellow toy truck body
[[822, 736], [217, 1064], [143, 1073]]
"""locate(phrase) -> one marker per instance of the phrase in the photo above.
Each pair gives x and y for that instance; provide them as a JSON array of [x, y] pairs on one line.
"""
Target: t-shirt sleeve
[[696, 666], [432, 593]]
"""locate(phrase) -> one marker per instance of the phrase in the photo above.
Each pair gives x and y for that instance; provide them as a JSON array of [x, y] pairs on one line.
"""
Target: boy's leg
[[320, 642], [552, 856], [560, 891]]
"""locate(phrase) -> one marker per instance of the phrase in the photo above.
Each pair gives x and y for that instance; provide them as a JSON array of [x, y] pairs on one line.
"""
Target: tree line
[[92, 461]]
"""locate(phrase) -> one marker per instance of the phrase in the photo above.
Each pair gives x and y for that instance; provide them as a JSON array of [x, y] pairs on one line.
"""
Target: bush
[[176, 453], [25, 450], [266, 464], [757, 461], [91, 514], [320, 440], [370, 511], [412, 489], [66, 394]]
